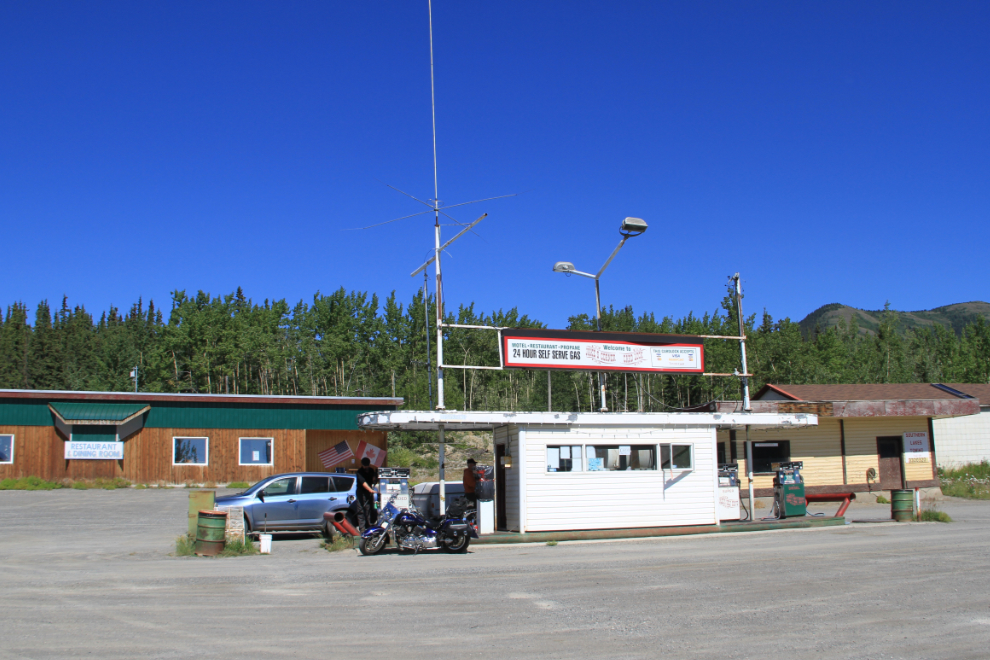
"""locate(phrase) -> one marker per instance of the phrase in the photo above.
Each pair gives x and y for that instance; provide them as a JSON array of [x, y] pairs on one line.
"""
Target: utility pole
[[134, 375], [742, 344]]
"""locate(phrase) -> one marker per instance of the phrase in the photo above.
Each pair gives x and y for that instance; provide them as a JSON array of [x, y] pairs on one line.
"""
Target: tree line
[[354, 344]]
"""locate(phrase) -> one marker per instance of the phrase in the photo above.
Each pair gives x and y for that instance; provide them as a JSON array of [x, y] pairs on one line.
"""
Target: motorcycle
[[411, 531]]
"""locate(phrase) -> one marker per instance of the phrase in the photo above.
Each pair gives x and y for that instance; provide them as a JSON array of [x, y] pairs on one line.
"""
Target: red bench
[[845, 498]]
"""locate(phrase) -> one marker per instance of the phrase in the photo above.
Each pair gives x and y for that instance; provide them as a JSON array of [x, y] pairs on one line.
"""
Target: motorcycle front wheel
[[459, 544], [372, 545]]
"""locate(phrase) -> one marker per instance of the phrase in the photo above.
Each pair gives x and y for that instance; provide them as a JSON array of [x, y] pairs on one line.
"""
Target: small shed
[[964, 440], [580, 471]]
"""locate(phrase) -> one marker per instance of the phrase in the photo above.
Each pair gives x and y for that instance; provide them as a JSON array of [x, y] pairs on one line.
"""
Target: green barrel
[[902, 505], [210, 532], [198, 500]]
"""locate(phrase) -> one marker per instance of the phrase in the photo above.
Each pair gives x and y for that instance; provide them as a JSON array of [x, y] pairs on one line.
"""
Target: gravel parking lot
[[88, 574]]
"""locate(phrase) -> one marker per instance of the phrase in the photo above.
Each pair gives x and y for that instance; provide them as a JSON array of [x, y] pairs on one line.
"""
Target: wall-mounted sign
[[916, 447], [601, 351], [76, 450]]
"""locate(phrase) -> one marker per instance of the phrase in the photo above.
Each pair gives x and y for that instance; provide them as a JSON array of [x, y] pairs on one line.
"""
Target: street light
[[630, 227]]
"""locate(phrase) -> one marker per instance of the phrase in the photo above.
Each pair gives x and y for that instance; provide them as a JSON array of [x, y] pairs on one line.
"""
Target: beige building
[[868, 437]]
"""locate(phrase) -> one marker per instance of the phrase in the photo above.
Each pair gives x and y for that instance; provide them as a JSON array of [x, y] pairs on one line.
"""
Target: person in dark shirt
[[367, 477]]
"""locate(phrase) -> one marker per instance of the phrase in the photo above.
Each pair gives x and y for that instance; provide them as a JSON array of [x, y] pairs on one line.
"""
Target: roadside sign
[[601, 351]]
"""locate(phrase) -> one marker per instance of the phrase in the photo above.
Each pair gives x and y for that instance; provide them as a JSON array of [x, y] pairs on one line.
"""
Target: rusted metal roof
[[876, 408]]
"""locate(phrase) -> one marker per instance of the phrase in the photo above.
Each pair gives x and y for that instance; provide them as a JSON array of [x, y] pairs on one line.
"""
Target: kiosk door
[[500, 522]]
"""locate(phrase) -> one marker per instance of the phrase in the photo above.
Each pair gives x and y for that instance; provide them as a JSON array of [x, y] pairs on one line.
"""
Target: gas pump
[[728, 491], [394, 481], [788, 490], [485, 490]]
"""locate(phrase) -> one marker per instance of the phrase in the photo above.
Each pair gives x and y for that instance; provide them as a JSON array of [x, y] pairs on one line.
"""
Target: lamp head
[[563, 267], [632, 227]]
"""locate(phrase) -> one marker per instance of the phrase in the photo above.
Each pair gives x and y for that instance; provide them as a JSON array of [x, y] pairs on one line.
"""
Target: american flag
[[335, 454]]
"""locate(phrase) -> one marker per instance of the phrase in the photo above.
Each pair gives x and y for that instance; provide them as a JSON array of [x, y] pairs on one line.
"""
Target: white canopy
[[484, 420]]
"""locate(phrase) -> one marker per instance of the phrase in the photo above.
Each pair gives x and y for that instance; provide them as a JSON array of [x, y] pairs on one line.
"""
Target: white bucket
[[266, 543]]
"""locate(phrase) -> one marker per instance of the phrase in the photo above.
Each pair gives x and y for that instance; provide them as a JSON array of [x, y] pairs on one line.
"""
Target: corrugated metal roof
[[861, 392], [980, 390], [96, 412]]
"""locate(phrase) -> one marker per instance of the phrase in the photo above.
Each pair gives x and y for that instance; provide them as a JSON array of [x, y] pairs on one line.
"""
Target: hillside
[[955, 316]]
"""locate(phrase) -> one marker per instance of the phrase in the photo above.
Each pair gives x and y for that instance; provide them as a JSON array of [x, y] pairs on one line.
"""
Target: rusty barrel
[[210, 529], [902, 505]]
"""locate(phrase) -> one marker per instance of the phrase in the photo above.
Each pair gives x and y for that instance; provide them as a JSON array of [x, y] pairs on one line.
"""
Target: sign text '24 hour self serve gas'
[[601, 351]]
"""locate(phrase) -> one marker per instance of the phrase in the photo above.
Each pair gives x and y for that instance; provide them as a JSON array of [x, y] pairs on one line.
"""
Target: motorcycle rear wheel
[[459, 545], [372, 545]]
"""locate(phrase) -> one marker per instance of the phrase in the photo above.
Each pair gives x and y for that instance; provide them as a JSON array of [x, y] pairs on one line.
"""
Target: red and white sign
[[372, 453], [916, 447], [578, 351]]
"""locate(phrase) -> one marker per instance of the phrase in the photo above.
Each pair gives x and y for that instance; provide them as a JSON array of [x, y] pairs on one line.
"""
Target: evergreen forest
[[354, 344]]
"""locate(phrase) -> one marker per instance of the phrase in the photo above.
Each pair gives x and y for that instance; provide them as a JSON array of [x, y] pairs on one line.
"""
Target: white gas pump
[[728, 491], [393, 482]]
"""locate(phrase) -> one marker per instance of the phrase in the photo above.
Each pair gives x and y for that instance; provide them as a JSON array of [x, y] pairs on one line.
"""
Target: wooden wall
[[820, 448], [317, 441], [39, 451]]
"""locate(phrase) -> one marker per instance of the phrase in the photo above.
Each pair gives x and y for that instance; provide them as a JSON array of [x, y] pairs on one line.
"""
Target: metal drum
[[902, 505], [210, 532]]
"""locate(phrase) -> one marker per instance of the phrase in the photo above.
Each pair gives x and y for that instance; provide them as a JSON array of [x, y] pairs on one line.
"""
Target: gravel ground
[[88, 574]]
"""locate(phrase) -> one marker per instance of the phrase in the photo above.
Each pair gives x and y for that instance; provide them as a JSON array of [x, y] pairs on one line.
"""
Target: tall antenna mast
[[436, 265], [436, 230]]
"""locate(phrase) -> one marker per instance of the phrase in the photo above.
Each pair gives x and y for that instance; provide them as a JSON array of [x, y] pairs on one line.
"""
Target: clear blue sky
[[831, 152]]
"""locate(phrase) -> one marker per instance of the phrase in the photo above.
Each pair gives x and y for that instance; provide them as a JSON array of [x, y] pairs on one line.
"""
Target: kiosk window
[[315, 485], [190, 451], [766, 454], [564, 458], [256, 451], [6, 449], [621, 457], [676, 457]]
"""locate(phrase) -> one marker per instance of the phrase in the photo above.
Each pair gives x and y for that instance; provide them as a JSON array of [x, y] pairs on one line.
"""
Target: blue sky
[[831, 152]]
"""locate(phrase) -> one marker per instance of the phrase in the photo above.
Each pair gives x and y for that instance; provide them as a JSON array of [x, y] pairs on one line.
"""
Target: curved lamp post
[[630, 227]]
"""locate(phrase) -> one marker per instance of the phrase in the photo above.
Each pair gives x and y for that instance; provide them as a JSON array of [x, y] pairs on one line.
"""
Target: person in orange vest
[[471, 482]]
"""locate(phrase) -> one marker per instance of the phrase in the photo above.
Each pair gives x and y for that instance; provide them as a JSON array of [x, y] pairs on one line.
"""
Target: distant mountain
[[956, 316]]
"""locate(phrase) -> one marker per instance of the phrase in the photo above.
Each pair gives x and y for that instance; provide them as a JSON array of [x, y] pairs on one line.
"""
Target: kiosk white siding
[[614, 499]]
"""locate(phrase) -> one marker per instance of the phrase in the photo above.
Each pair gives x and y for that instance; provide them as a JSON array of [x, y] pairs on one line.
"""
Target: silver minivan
[[294, 502]]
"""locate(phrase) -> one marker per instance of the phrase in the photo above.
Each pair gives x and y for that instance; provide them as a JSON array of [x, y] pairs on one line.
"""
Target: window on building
[[768, 455], [314, 485], [256, 451], [676, 457], [6, 449], [190, 451], [621, 457], [564, 458]]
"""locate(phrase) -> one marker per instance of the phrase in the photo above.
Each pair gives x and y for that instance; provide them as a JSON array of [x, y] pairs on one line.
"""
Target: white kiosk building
[[584, 471]]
